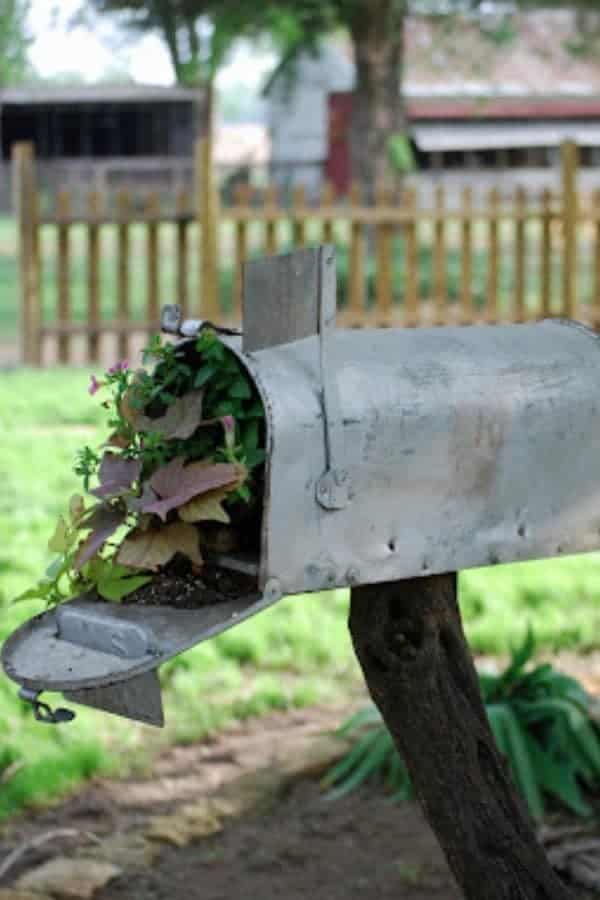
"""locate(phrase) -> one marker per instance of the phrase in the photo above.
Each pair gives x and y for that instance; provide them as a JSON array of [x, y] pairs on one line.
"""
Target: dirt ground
[[294, 843]]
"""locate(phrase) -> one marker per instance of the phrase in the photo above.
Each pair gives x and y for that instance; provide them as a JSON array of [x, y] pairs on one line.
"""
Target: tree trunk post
[[410, 643]]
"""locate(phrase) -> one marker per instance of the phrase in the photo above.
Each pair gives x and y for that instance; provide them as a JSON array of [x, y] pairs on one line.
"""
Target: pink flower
[[95, 385], [121, 366], [228, 423]]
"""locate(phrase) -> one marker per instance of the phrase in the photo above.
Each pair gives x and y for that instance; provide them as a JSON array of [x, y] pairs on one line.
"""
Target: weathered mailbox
[[390, 454]]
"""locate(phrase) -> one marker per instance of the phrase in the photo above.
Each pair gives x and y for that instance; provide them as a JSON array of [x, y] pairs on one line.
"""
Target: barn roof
[[96, 93]]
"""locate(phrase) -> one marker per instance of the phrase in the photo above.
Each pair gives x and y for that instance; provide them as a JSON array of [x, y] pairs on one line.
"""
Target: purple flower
[[121, 366], [95, 385]]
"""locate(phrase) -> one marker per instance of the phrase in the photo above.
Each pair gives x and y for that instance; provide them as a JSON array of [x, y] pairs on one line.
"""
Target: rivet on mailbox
[[391, 454]]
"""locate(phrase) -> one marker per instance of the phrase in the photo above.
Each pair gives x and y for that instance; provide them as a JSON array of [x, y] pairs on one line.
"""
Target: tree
[[13, 41]]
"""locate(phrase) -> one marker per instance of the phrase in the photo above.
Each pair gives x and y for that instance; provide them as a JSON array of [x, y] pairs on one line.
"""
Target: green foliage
[[186, 453], [14, 41], [541, 722], [401, 155]]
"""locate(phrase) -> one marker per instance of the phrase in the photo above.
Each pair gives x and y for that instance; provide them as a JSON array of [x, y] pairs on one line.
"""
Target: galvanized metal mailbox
[[390, 454]]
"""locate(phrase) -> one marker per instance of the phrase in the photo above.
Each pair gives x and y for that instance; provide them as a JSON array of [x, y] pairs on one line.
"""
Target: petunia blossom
[[121, 366], [94, 385], [228, 423]]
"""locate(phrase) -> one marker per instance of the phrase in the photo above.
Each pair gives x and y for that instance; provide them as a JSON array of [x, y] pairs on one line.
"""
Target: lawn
[[294, 654]]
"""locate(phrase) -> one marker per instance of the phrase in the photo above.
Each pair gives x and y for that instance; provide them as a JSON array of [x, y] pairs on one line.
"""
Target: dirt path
[[292, 843], [241, 816]]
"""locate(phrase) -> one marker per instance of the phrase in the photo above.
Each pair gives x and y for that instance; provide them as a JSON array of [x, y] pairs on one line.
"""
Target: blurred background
[[450, 151]]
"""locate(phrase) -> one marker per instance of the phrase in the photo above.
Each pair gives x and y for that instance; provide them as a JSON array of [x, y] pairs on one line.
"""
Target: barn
[[102, 136]]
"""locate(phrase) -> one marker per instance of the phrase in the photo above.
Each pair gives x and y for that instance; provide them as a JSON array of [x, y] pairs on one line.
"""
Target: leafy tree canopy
[[14, 41]]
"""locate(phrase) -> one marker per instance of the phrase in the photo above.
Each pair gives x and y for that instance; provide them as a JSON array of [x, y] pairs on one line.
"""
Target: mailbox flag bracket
[[288, 298]]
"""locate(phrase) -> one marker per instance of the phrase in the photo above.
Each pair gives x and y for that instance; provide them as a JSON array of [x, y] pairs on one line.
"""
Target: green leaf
[[117, 588], [521, 763], [240, 389], [204, 374]]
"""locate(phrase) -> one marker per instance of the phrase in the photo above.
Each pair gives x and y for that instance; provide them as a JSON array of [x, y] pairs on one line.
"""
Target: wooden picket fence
[[395, 255]]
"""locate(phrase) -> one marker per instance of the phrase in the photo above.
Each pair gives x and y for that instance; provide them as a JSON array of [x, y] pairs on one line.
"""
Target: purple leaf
[[116, 475], [177, 483], [138, 504], [104, 522]]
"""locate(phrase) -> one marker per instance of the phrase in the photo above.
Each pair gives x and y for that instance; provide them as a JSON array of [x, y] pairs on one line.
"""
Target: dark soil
[[180, 587]]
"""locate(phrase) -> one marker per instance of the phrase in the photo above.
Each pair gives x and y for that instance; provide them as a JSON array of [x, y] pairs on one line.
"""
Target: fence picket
[[569, 218], [94, 205], [25, 191], [242, 197], [596, 264], [182, 273], [494, 256], [439, 256], [152, 212], [271, 205], [299, 217], [466, 257], [411, 257], [356, 271], [327, 201], [546, 254], [384, 236], [63, 211], [519, 251], [123, 250]]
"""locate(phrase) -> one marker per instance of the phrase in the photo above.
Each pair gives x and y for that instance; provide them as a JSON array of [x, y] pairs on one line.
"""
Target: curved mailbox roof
[[463, 447]]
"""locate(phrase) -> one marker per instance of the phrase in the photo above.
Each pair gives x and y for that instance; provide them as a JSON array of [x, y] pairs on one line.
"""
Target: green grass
[[294, 654]]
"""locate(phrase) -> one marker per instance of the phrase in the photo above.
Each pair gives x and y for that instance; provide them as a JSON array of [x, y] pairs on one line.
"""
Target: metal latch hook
[[43, 712]]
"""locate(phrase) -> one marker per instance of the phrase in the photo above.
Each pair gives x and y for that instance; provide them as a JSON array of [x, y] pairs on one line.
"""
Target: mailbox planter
[[394, 459], [391, 454]]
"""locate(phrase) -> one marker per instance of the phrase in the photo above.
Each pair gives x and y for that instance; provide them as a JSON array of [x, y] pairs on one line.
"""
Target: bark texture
[[409, 640], [377, 30]]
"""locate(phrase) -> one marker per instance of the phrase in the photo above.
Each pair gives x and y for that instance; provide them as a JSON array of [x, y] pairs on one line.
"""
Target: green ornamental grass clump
[[543, 724], [183, 456]]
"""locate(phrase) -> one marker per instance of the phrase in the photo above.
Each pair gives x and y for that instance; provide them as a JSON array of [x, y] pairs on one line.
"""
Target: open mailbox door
[[107, 656], [391, 454]]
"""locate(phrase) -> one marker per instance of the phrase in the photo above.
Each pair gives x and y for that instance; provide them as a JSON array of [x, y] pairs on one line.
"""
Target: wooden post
[[123, 309], [569, 217], [208, 226], [63, 212], [93, 277], [24, 191], [409, 640]]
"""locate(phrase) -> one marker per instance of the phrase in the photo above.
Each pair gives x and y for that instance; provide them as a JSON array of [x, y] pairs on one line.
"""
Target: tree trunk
[[377, 32], [409, 640]]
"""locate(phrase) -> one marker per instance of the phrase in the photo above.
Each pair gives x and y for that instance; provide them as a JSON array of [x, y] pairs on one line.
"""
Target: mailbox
[[391, 453]]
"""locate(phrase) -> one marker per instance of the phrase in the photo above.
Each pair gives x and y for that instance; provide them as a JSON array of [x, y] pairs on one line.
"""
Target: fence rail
[[106, 267]]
